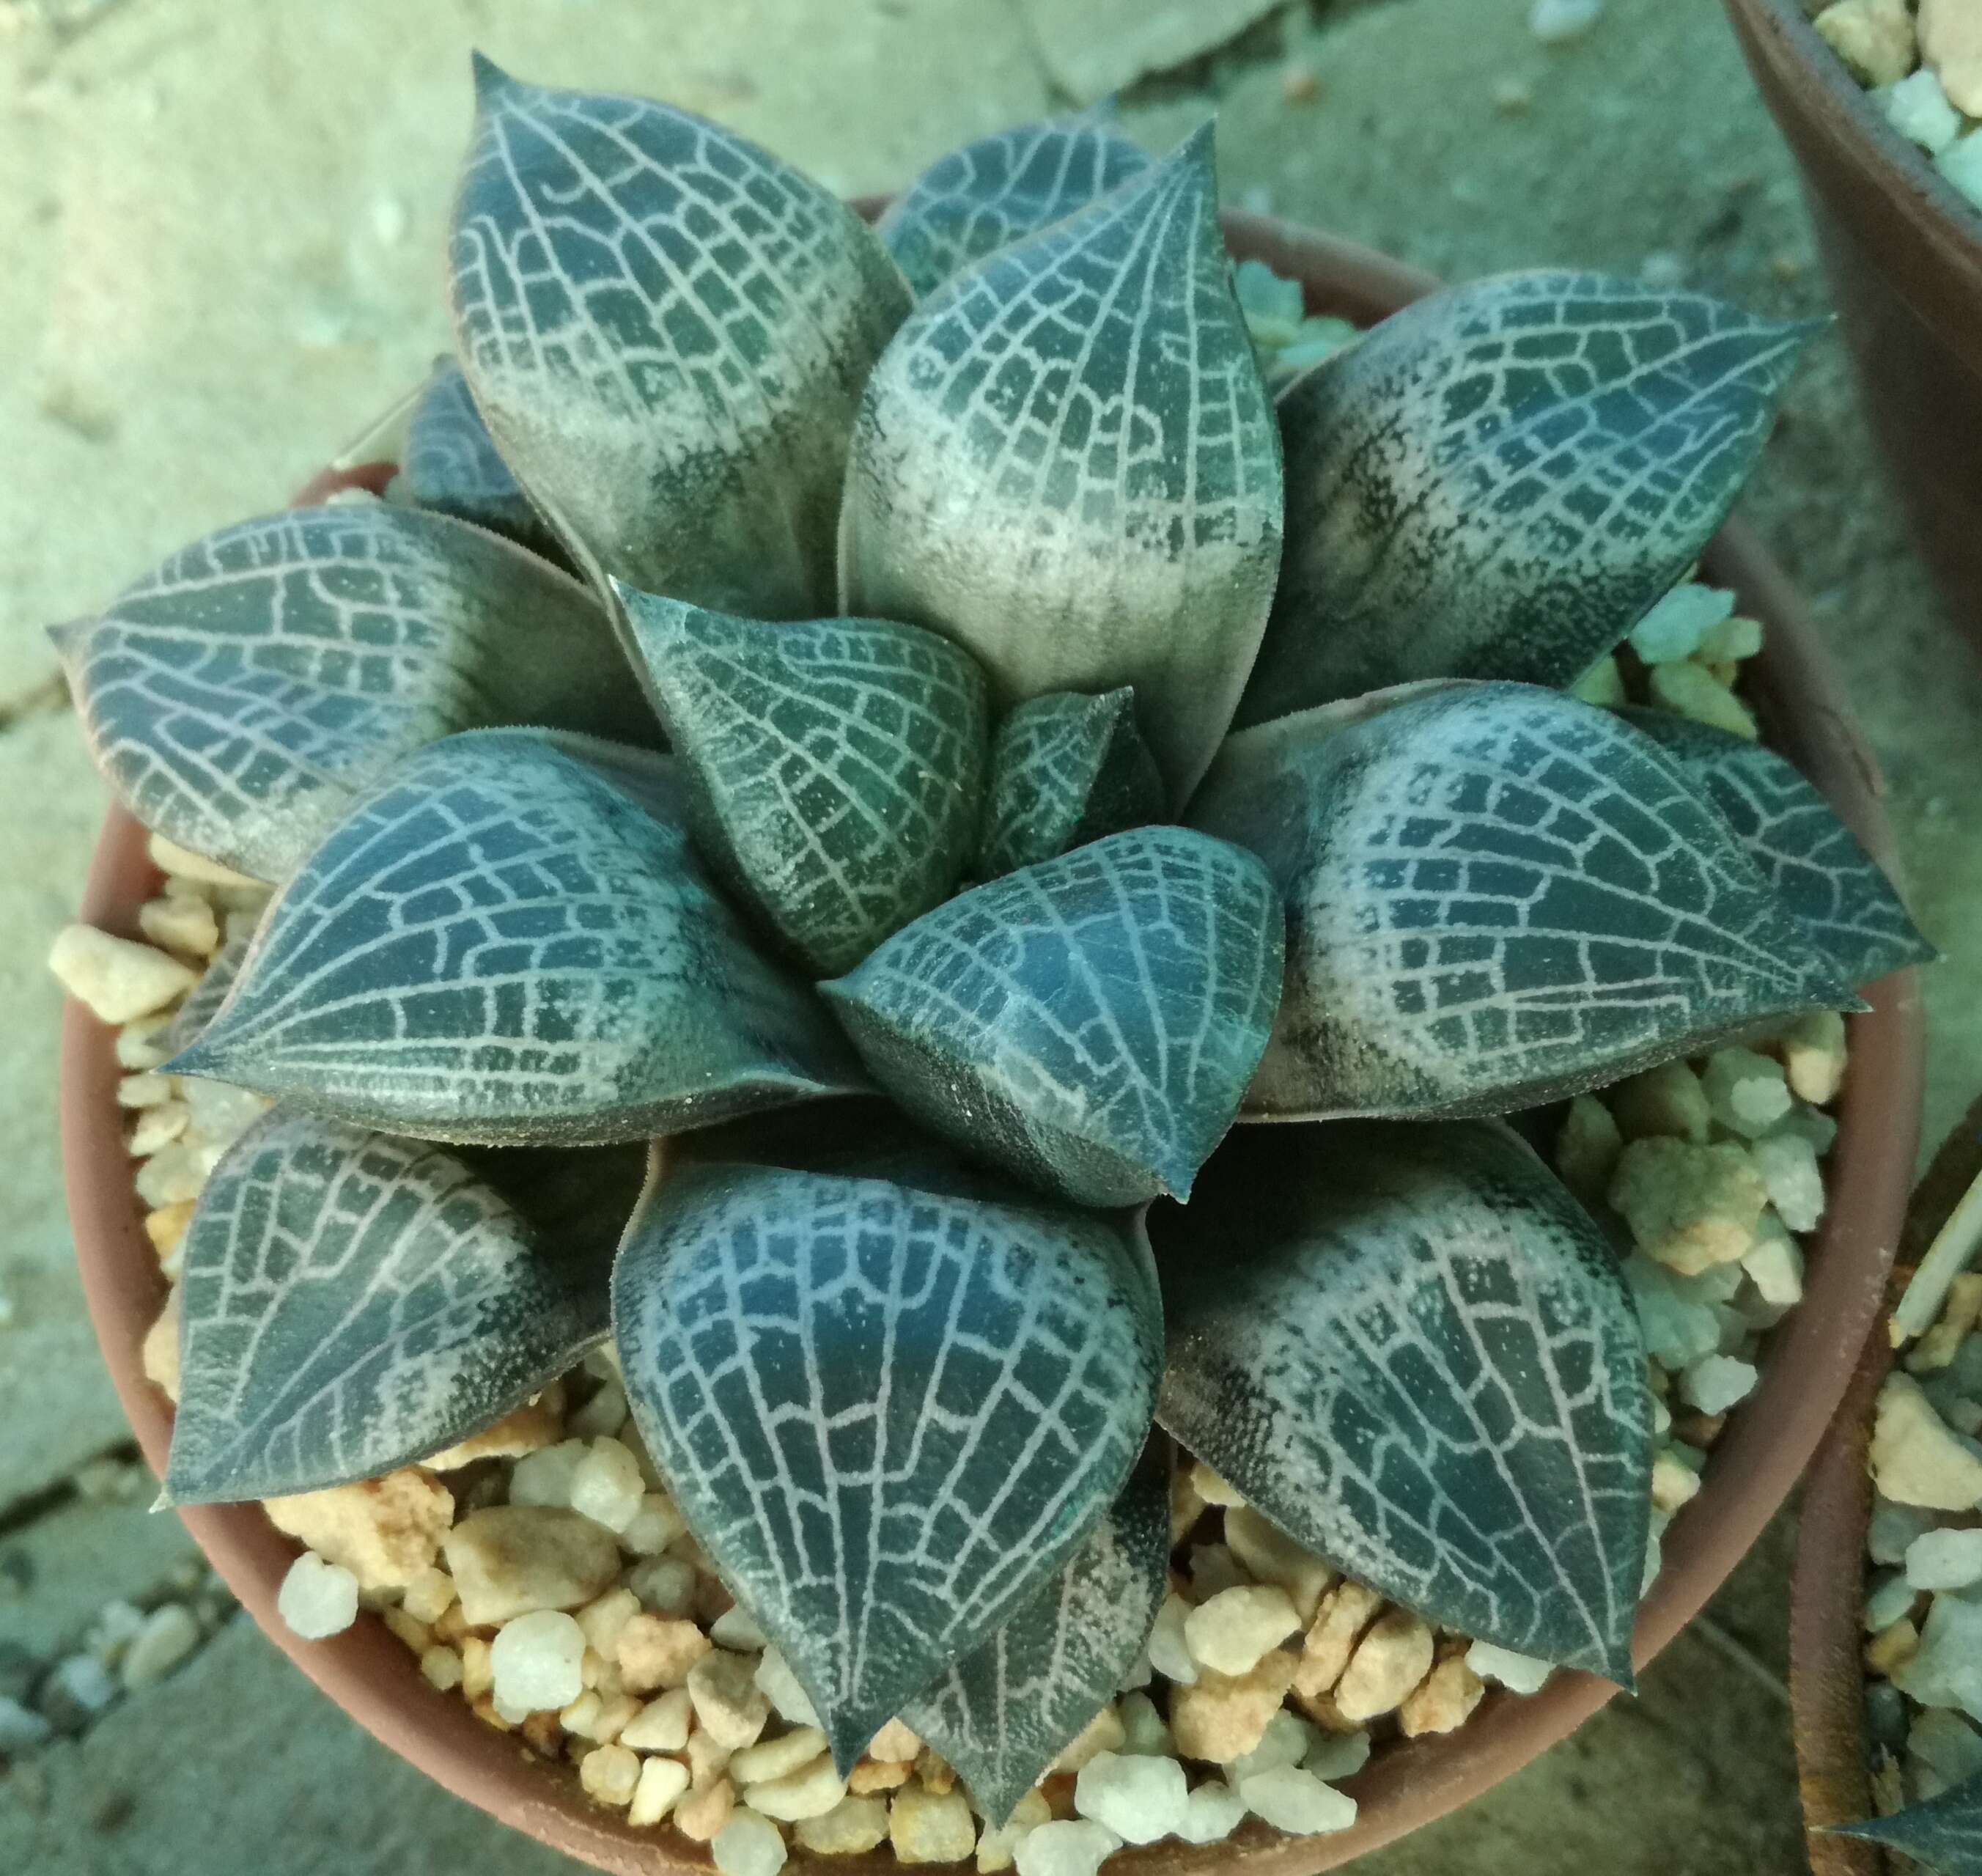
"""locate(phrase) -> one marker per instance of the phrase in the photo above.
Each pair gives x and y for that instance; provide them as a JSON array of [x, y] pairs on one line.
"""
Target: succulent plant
[[860, 848]]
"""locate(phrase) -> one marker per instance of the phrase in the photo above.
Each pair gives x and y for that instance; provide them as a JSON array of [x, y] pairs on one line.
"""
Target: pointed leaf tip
[[490, 79]]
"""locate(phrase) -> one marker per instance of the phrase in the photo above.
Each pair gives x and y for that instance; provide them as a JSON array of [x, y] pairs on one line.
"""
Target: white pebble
[[1168, 1654], [1919, 110], [1944, 1560], [1676, 627], [654, 1527], [780, 1687], [1286, 1741], [1342, 1755], [748, 1845], [116, 979], [1555, 22], [1292, 1800], [1891, 1597], [1214, 1812], [601, 1417], [662, 1781], [606, 1486], [1946, 1669], [1946, 1742], [1962, 165], [665, 1585], [182, 863], [545, 1478], [1715, 1384], [21, 1730], [1775, 1266], [169, 1634], [1519, 1674], [1077, 1847], [1892, 1529], [735, 1628], [1139, 1799], [1231, 1633], [1748, 1093], [1787, 1163], [1144, 1729], [318, 1599], [536, 1660]]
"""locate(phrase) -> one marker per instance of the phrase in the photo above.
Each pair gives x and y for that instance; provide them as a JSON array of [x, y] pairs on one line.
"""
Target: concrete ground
[[219, 233]]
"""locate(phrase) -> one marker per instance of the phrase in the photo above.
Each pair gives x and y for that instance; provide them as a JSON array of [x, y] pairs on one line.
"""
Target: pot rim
[[1753, 1467], [1842, 140]]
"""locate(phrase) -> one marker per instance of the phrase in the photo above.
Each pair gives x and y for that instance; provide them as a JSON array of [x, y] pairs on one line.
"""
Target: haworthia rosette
[[1814, 862], [837, 764], [990, 193], [1498, 481], [350, 1302], [1066, 768], [892, 1409], [500, 945], [452, 466], [1943, 1833], [1002, 1714], [1496, 896], [666, 329], [1089, 1023], [238, 698], [1411, 1349], [1065, 460]]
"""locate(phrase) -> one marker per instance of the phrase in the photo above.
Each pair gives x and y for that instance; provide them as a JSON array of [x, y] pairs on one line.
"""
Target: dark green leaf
[[1814, 862], [352, 1302], [1944, 1833], [1066, 462], [203, 1000], [499, 945], [666, 330], [992, 192], [1411, 1349], [1498, 481], [1066, 768], [891, 1408], [239, 698], [452, 466], [1003, 1713], [1089, 1023], [1496, 896], [837, 764]]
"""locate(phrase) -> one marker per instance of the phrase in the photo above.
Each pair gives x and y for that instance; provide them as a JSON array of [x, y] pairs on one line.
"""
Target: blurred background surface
[[220, 231]]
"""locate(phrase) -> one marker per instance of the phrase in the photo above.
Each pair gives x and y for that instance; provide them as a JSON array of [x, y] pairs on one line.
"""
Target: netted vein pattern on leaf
[[891, 1413]]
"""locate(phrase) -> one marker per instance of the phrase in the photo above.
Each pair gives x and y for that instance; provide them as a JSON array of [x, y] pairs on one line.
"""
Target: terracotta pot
[[1903, 248], [1765, 1448], [1827, 1588]]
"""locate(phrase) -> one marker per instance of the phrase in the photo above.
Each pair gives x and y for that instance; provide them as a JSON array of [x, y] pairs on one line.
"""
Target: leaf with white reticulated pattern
[[452, 466], [1814, 862], [1411, 1349], [351, 1302], [666, 330], [203, 1001], [238, 698], [992, 193], [891, 1408], [1089, 1023], [1496, 896], [500, 944], [1007, 1710], [837, 764], [1943, 1833], [1066, 768], [1497, 482], [1066, 462]]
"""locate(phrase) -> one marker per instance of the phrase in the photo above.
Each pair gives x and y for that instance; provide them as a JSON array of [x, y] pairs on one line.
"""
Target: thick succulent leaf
[[238, 698], [992, 193], [1003, 1713], [892, 1407], [837, 765], [500, 945], [1498, 481], [1066, 462], [1814, 862], [1411, 1349], [1496, 896], [666, 330], [351, 1301], [1066, 768], [203, 1001], [1089, 1023], [452, 466], [1943, 1833]]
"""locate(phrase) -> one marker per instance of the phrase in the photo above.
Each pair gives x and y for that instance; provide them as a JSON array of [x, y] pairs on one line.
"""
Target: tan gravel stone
[[873, 1775], [1666, 1102], [161, 1351], [1444, 1700], [509, 1560], [853, 1826], [1916, 1456], [894, 1741], [1690, 1207], [728, 1704], [701, 1814], [1388, 1661], [1950, 41], [118, 978], [1343, 1614], [1273, 1557], [1223, 1717], [1814, 1056], [811, 1791], [385, 1530], [1874, 38], [929, 1826], [662, 1724], [610, 1774], [1587, 1146], [663, 1783], [1104, 1732], [655, 1651], [772, 1759]]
